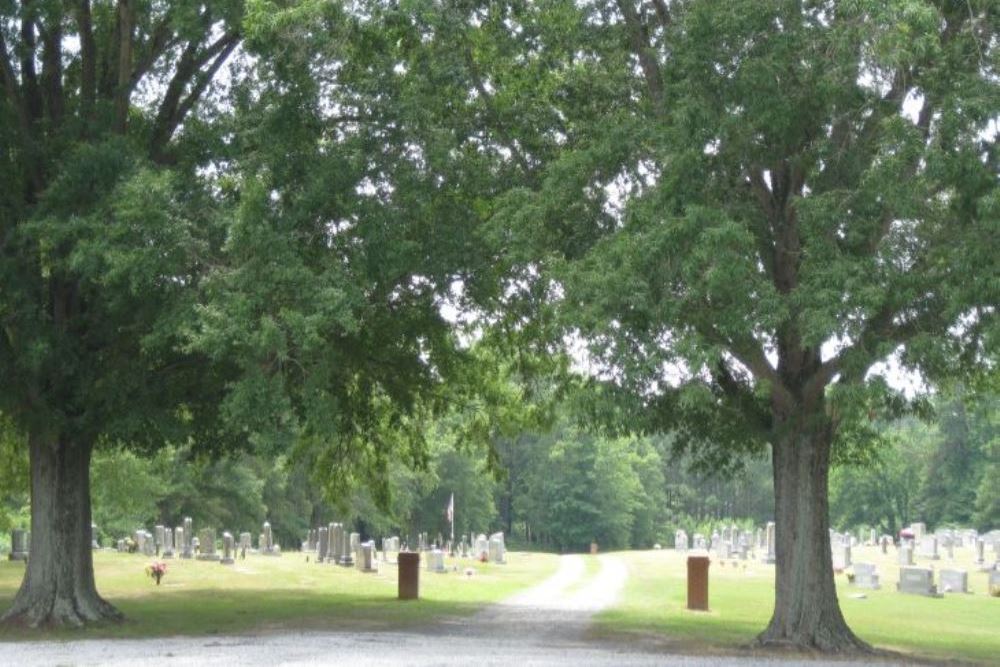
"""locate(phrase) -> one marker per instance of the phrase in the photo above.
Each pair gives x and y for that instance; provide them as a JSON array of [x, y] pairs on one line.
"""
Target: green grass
[[264, 594], [652, 608]]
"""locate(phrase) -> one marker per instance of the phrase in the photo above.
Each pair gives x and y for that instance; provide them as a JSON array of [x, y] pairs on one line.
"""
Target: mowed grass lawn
[[263, 594], [652, 609]]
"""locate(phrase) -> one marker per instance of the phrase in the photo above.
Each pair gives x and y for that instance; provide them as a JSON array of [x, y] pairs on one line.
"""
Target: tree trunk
[[806, 611], [58, 587]]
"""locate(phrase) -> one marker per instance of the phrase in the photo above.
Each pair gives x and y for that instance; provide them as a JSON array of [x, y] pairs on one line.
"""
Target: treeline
[[943, 471], [557, 490]]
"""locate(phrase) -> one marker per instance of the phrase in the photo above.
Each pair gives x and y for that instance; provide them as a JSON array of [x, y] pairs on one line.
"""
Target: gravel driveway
[[542, 626]]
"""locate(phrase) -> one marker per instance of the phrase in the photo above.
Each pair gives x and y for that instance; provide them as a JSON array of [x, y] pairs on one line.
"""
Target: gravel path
[[542, 626]]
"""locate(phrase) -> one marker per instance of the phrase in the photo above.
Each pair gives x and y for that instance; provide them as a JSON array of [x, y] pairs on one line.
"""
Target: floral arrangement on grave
[[156, 570]]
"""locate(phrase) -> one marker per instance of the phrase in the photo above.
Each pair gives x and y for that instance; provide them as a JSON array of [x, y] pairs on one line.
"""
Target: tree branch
[[122, 89], [639, 40], [173, 108], [88, 60]]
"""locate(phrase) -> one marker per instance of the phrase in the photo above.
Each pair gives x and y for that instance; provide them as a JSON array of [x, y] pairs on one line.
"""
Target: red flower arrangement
[[156, 570]]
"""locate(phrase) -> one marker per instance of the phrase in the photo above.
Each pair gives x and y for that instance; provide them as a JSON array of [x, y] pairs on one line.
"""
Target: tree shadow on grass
[[206, 612]]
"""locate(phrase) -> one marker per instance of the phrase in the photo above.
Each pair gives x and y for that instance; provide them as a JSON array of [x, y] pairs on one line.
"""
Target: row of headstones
[[732, 542], [181, 541], [920, 580], [333, 544]]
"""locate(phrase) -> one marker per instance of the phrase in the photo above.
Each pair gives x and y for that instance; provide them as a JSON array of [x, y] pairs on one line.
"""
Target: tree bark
[[58, 587], [806, 610]]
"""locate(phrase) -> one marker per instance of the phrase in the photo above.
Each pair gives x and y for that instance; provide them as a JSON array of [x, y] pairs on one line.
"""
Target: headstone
[[336, 543], [18, 545], [180, 539], [482, 548], [159, 535], [188, 547], [770, 543], [993, 585], [905, 554], [168, 543], [268, 547], [324, 544], [93, 537], [929, 547], [206, 545], [954, 581], [350, 545], [918, 530], [228, 549], [699, 542], [980, 552], [866, 576], [119, 546], [885, 544], [246, 543], [435, 560], [872, 537], [917, 581], [680, 540], [497, 548], [366, 562], [723, 549]]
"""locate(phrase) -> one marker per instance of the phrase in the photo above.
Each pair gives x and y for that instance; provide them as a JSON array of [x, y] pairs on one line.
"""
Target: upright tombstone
[[872, 537], [905, 554], [993, 583], [954, 581], [366, 557], [866, 576], [770, 556], [497, 549], [206, 545], [324, 544], [159, 536], [680, 541], [917, 581], [842, 556], [336, 551], [980, 552], [885, 544], [268, 547], [482, 548], [929, 547], [228, 549], [180, 539], [168, 543], [918, 530], [188, 550], [348, 544], [18, 545], [435, 560], [246, 543]]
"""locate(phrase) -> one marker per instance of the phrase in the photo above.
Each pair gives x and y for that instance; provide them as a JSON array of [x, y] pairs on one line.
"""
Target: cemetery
[[509, 332]]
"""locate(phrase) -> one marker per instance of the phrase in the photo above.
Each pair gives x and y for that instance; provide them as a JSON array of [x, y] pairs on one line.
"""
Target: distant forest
[[558, 490]]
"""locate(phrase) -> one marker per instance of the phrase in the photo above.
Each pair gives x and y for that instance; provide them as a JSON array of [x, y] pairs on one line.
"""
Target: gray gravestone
[[168, 543], [905, 554], [954, 581], [324, 545], [206, 545], [18, 545], [188, 546], [866, 576], [917, 581], [769, 537], [160, 537], [228, 549]]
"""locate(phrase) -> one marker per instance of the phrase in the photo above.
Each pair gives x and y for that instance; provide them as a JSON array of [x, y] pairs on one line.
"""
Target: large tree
[[101, 229], [745, 209], [814, 191], [215, 262]]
